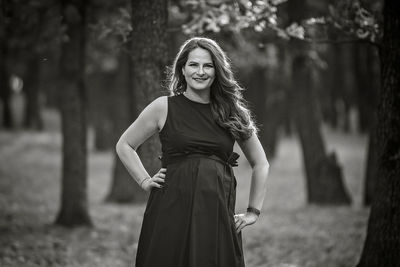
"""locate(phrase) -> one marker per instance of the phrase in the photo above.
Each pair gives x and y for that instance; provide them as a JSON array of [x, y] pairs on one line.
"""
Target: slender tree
[[74, 202], [149, 57], [5, 89], [382, 244], [324, 177], [33, 118], [123, 188]]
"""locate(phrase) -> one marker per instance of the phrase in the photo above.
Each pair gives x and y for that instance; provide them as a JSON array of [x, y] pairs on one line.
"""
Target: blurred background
[[74, 75]]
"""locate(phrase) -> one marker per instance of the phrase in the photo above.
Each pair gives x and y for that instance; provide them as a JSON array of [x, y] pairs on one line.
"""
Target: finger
[[162, 170], [162, 175], [158, 180], [240, 226], [238, 223], [154, 184]]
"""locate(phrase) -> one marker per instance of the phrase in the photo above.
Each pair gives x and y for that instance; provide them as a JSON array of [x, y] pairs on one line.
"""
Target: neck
[[202, 96]]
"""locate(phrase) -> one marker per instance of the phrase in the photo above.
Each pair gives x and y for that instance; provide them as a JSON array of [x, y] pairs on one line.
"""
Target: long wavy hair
[[227, 104]]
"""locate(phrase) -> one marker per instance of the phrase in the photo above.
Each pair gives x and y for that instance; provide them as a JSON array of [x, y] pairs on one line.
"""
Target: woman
[[189, 219]]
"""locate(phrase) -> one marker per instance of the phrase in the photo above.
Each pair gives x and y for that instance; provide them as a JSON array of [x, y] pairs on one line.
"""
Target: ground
[[288, 233]]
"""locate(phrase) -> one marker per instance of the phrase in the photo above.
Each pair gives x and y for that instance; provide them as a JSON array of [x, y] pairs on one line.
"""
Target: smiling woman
[[199, 74], [190, 218]]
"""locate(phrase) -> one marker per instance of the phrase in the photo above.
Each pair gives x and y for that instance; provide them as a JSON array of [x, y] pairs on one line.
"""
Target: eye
[[209, 66], [192, 64]]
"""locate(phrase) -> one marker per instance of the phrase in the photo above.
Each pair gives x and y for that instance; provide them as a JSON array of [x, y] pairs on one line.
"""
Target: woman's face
[[199, 70]]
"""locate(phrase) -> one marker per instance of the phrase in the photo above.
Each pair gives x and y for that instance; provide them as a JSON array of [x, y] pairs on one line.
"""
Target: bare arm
[[149, 122], [255, 154]]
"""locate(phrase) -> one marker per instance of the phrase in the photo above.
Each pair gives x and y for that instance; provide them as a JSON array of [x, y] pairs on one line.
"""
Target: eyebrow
[[210, 62]]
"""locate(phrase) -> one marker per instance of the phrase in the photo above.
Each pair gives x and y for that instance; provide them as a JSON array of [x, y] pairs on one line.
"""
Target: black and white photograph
[[199, 133]]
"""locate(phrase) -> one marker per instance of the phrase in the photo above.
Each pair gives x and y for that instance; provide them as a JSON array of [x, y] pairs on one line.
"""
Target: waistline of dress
[[171, 159]]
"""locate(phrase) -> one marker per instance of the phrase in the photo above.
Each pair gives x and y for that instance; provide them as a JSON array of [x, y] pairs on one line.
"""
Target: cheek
[[212, 74]]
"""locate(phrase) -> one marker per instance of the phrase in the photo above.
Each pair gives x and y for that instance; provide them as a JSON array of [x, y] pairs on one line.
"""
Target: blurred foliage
[[108, 32], [349, 17], [352, 18], [33, 26]]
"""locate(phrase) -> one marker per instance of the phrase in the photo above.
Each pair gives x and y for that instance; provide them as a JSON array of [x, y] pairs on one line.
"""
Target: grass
[[288, 233]]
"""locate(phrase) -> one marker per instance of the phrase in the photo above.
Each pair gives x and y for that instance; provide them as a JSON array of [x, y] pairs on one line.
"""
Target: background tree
[[149, 57], [5, 89], [382, 244], [74, 202], [324, 177], [33, 36], [123, 188]]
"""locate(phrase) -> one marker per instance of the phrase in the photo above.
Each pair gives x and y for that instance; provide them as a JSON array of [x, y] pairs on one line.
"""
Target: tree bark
[[149, 57], [33, 118], [123, 188], [276, 99], [371, 165], [5, 93], [324, 177], [381, 247], [256, 96], [323, 173], [5, 90], [101, 90], [366, 87], [74, 200]]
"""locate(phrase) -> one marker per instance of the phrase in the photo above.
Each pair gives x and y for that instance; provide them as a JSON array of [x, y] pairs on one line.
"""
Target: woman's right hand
[[156, 181]]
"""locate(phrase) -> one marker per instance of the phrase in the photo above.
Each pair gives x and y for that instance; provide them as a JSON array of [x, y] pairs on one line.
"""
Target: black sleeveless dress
[[189, 222]]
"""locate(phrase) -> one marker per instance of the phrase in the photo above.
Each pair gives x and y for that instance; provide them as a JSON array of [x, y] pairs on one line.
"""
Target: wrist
[[254, 211], [144, 180]]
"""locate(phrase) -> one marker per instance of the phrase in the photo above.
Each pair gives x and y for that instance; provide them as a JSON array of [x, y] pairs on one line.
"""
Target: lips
[[200, 79]]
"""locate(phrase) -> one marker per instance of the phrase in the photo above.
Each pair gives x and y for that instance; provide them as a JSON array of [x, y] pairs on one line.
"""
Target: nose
[[200, 71]]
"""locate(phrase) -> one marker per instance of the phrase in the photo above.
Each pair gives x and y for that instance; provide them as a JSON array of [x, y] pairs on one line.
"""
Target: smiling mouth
[[200, 79]]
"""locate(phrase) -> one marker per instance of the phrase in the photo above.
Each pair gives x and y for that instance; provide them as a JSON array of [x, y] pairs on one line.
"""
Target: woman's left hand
[[244, 219]]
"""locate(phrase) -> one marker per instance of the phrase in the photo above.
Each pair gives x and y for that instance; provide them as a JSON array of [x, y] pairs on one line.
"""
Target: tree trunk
[[149, 55], [275, 99], [101, 90], [324, 177], [332, 86], [256, 96], [366, 89], [33, 118], [5, 94], [123, 188], [5, 90], [323, 173], [371, 165], [382, 243], [74, 202]]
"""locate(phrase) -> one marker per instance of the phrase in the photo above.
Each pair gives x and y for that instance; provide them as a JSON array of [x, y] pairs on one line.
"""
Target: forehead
[[200, 55]]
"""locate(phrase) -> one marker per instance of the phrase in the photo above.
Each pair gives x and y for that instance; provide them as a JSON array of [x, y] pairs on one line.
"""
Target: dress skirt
[[189, 222]]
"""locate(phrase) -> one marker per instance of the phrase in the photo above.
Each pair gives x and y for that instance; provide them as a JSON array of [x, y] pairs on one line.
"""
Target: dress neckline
[[192, 101]]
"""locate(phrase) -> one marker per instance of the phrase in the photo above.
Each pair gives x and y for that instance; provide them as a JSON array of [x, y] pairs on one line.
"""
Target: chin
[[202, 88], [199, 87]]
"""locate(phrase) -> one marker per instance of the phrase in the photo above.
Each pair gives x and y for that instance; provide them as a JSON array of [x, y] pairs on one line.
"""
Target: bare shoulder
[[160, 104], [160, 108]]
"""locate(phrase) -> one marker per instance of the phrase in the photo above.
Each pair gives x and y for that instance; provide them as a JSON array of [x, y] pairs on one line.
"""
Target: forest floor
[[289, 232]]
